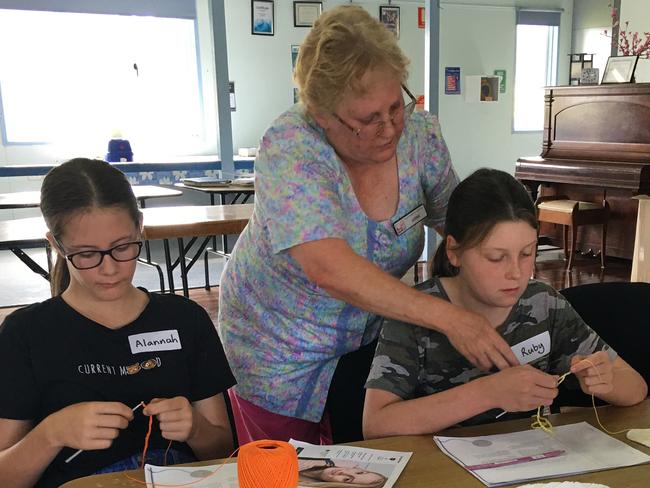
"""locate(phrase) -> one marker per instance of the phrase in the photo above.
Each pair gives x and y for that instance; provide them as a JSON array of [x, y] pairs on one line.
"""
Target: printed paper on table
[[518, 457]]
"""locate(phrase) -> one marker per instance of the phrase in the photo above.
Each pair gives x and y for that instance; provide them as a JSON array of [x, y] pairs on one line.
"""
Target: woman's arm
[[615, 382], [335, 267], [204, 424], [517, 389]]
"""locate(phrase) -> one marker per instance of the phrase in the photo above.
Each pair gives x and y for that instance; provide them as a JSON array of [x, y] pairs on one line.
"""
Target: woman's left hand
[[175, 415], [595, 373]]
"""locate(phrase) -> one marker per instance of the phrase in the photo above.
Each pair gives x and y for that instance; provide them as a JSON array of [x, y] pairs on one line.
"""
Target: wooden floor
[[551, 271]]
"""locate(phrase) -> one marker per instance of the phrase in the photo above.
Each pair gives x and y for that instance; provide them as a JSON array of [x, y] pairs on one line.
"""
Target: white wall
[[478, 38], [260, 66], [481, 39], [637, 12], [591, 18]]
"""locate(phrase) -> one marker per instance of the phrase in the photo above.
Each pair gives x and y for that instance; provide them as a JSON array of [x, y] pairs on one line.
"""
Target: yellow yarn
[[540, 422]]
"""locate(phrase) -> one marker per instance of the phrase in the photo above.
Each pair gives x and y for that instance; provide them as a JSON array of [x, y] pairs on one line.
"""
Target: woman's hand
[[175, 415], [88, 425], [475, 338], [595, 373], [521, 388]]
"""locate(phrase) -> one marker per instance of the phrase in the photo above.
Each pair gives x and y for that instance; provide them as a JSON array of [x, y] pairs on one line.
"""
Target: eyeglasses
[[91, 259], [376, 128]]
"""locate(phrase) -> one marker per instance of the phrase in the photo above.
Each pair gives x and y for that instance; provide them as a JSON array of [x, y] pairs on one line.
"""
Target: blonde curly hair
[[344, 44]]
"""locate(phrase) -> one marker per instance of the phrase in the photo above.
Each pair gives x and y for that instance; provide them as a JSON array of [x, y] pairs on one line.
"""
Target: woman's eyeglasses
[[127, 251], [376, 128]]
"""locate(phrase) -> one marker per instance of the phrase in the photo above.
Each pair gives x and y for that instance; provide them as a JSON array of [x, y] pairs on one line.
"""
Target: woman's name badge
[[415, 216], [532, 349]]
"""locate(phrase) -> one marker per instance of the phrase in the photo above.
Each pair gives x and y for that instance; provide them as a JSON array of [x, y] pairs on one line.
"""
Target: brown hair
[[344, 44], [76, 186], [482, 200]]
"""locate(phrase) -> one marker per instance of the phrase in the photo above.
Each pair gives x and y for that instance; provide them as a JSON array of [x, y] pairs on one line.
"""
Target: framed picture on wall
[[620, 69], [306, 13], [262, 17], [389, 16]]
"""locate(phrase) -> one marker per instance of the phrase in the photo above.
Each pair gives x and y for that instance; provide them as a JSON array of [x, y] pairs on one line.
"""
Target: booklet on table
[[518, 457]]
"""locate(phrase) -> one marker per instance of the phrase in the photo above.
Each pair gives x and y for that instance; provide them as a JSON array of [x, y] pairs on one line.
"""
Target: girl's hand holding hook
[[89, 425], [175, 415]]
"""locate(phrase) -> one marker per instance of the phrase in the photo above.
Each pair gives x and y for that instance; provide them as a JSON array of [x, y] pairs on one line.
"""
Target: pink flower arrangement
[[629, 43]]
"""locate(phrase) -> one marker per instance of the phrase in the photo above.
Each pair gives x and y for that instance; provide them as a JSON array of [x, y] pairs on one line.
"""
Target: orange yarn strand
[[146, 442], [162, 485]]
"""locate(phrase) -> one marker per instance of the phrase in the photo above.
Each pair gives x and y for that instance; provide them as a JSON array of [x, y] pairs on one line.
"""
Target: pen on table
[[81, 450], [501, 414], [519, 460]]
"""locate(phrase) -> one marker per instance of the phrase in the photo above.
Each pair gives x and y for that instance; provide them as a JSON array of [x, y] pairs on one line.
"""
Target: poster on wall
[[262, 17], [421, 22], [452, 81], [389, 16], [501, 73]]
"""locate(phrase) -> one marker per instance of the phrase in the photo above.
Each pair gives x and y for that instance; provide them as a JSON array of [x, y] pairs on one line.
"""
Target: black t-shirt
[[52, 357]]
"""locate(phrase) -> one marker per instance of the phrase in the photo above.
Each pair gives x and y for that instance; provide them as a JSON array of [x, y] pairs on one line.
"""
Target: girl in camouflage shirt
[[420, 384]]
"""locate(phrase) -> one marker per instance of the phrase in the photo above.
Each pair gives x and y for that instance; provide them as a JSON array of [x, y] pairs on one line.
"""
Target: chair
[[620, 314], [571, 214]]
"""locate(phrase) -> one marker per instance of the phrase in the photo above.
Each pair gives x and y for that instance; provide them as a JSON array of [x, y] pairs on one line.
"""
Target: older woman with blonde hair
[[345, 181]]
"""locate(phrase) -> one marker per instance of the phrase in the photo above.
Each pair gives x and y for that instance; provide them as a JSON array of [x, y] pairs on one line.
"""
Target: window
[[536, 61], [77, 78]]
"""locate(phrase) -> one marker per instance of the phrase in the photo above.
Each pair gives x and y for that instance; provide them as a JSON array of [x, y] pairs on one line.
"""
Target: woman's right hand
[[475, 338], [521, 388], [88, 425]]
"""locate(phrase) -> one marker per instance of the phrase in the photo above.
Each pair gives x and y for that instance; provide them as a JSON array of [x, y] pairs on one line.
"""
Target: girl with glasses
[[345, 182], [73, 368]]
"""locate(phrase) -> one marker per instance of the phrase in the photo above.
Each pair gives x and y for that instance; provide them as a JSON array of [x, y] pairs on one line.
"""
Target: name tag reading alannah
[[164, 340]]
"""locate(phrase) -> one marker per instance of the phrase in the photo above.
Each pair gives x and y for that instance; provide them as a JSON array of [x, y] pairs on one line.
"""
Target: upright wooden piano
[[596, 145]]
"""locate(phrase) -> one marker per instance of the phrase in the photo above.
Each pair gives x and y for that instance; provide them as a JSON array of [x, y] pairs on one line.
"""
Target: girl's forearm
[[629, 388], [23, 463], [428, 414], [210, 441]]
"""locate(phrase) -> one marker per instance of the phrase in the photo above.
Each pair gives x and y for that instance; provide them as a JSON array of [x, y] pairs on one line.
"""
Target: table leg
[[183, 265], [168, 264]]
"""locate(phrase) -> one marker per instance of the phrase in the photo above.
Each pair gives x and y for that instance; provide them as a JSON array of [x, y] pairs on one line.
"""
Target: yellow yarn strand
[[541, 422]]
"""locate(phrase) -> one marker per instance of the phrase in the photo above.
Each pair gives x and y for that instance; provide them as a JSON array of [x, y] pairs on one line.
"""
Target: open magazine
[[323, 466], [503, 459]]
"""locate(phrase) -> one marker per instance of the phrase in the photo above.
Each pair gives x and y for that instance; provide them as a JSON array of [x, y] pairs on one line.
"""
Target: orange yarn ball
[[267, 464]]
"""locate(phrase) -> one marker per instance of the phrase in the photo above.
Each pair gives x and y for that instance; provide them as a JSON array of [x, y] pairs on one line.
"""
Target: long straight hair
[[482, 200], [76, 186]]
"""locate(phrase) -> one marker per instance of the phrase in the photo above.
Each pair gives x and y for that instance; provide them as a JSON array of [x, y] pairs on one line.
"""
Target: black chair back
[[620, 314]]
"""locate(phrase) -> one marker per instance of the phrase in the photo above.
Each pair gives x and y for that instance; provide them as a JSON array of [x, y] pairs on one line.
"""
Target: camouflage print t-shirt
[[542, 329]]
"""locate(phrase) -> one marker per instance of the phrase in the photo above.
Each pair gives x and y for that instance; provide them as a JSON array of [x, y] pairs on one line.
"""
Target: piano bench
[[571, 214]]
